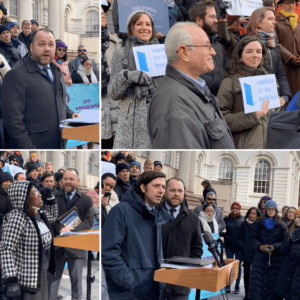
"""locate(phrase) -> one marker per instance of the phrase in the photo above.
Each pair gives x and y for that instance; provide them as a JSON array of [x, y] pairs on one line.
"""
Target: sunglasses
[[211, 199], [13, 160], [64, 50], [82, 50]]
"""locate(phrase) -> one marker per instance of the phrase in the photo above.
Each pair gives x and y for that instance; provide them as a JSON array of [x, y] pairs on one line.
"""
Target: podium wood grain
[[209, 279], [88, 133], [83, 242]]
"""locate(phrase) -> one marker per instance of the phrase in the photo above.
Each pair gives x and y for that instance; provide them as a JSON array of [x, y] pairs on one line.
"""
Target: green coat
[[248, 131]]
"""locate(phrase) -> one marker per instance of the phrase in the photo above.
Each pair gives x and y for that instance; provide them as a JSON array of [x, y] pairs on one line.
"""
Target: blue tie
[[46, 70], [172, 211], [69, 197]]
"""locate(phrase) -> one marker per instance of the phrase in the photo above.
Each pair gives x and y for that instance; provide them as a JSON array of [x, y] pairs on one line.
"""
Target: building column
[[79, 165], [43, 156], [183, 171], [25, 155], [191, 184], [24, 11], [62, 20], [56, 160], [53, 17], [155, 155], [84, 168]]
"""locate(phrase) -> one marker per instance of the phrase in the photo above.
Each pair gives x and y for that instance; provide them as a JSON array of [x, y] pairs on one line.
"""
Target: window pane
[[226, 170], [262, 177]]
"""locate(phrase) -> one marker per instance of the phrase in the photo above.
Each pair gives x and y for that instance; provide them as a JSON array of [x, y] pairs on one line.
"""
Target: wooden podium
[[88, 133], [208, 279], [89, 242]]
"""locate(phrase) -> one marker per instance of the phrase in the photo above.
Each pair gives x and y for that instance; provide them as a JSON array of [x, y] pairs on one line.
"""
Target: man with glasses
[[82, 54], [204, 14], [183, 114], [211, 198]]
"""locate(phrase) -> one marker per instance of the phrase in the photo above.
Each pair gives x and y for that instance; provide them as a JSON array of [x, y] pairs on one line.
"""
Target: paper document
[[88, 116], [69, 233]]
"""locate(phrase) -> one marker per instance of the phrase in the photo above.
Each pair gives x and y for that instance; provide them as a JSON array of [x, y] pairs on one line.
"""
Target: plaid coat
[[21, 243]]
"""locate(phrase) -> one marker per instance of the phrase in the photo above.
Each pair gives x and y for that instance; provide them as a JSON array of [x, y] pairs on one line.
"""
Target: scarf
[[269, 223], [233, 216], [58, 60], [105, 74], [267, 38], [84, 72], [140, 91], [292, 17], [204, 218], [249, 221]]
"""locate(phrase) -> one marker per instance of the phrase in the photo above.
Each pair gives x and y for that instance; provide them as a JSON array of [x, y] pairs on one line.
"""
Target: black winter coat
[[76, 78], [263, 278], [33, 123], [184, 6], [26, 41], [214, 78], [296, 258], [183, 238], [84, 203], [35, 181], [232, 231], [5, 204], [287, 273], [245, 233], [10, 53], [121, 187]]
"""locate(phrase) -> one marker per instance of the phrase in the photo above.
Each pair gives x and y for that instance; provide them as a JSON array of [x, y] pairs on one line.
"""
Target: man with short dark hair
[[26, 35], [10, 53], [14, 29], [67, 198], [48, 180], [34, 121], [123, 182], [181, 236], [20, 177], [130, 229], [135, 171], [204, 14], [82, 54], [211, 198], [158, 166]]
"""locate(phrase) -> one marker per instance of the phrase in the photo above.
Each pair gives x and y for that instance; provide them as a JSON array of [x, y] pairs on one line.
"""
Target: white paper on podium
[[88, 116], [69, 233]]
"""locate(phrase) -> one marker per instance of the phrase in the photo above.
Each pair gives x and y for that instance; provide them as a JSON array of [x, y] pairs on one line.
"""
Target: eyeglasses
[[271, 209], [209, 46], [82, 50], [237, 208], [14, 160], [211, 199], [104, 14]]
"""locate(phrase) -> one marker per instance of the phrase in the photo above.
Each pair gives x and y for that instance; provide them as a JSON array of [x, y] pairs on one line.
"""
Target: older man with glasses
[[82, 54]]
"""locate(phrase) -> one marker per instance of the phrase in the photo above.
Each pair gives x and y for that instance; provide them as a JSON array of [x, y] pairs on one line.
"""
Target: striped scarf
[[293, 17], [267, 38]]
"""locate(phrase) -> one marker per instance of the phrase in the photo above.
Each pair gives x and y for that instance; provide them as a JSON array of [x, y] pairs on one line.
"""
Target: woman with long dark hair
[[246, 230], [269, 234], [289, 218]]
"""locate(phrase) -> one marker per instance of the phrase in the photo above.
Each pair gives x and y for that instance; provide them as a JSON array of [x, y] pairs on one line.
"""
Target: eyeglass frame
[[210, 199], [82, 50], [210, 46]]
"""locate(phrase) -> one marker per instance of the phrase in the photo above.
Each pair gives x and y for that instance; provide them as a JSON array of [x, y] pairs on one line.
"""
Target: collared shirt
[[151, 209], [48, 66], [200, 83], [176, 213], [72, 195]]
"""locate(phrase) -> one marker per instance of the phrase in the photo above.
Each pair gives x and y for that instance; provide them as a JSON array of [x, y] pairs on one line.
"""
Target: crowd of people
[[266, 243], [208, 51], [32, 199], [34, 74]]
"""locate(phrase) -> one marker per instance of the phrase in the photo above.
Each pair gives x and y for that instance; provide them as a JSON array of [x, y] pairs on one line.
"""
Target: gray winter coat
[[132, 130], [75, 63], [218, 212], [181, 116]]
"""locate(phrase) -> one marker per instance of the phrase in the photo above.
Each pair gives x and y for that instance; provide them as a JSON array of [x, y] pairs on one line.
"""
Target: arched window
[[67, 20], [13, 7], [35, 10], [92, 23], [226, 170], [262, 177]]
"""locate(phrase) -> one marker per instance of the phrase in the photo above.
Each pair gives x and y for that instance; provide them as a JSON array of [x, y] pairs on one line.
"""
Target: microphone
[[212, 247]]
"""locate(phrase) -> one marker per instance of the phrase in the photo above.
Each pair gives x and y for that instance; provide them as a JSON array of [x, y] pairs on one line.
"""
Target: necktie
[[46, 70], [172, 211], [69, 197]]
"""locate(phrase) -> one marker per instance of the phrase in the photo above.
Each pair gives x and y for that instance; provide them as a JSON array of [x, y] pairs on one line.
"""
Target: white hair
[[177, 36]]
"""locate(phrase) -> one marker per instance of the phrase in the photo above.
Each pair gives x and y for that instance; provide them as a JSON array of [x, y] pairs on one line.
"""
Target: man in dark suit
[[181, 236], [67, 198], [34, 98]]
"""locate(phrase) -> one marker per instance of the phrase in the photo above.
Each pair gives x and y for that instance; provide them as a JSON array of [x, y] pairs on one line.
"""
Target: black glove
[[223, 7], [13, 290], [46, 192]]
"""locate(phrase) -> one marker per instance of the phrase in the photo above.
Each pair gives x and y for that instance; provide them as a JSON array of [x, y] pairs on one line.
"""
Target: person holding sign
[[249, 130], [133, 87]]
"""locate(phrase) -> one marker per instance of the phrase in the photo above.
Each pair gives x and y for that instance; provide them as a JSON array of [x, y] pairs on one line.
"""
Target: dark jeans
[[247, 269], [237, 252]]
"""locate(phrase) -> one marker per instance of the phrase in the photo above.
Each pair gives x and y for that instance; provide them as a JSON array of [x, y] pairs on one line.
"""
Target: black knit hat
[[34, 21], [120, 167], [31, 166], [120, 156], [157, 163], [3, 28], [6, 176], [13, 156], [58, 176]]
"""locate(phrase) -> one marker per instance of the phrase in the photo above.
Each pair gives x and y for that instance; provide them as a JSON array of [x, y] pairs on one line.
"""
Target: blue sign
[[83, 96], [206, 255], [158, 10]]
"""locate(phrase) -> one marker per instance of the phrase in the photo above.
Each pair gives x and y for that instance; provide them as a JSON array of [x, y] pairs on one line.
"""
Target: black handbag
[[283, 130]]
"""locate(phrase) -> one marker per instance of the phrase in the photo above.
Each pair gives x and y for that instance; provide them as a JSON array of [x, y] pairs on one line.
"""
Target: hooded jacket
[[218, 214], [131, 253], [121, 187], [21, 244]]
